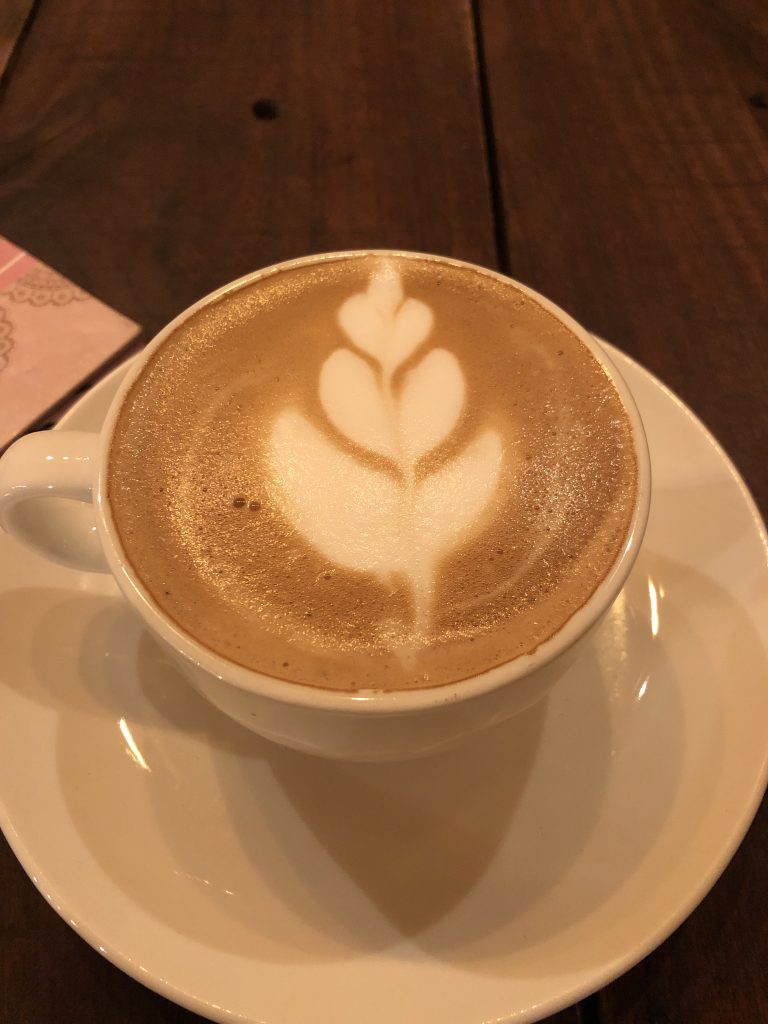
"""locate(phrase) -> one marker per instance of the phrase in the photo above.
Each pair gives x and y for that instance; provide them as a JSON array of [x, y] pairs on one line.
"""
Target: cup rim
[[368, 702]]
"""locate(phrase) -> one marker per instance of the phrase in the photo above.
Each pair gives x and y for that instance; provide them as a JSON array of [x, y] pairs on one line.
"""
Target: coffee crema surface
[[372, 472]]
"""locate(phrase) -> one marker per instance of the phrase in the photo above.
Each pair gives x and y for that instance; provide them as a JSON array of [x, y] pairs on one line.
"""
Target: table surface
[[609, 153]]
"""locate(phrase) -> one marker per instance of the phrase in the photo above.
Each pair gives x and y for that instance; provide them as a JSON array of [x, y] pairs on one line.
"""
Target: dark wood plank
[[14, 15], [634, 184], [742, 27], [133, 161], [632, 172]]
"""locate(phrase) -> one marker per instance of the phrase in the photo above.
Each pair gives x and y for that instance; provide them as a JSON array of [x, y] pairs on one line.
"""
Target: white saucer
[[499, 882]]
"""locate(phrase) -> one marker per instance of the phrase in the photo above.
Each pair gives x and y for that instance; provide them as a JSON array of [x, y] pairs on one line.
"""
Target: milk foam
[[392, 520]]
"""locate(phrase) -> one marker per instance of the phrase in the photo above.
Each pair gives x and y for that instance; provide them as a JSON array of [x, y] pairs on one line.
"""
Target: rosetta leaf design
[[354, 403], [431, 402], [451, 499], [447, 511], [380, 324], [385, 291], [354, 522], [365, 325], [411, 327], [386, 523]]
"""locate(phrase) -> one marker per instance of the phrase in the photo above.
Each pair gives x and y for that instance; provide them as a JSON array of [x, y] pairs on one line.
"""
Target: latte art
[[394, 521], [372, 471]]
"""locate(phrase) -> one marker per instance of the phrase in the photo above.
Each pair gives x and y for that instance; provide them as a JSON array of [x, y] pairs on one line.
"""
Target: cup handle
[[35, 473]]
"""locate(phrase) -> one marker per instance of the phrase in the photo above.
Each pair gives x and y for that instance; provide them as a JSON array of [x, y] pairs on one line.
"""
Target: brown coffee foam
[[191, 443]]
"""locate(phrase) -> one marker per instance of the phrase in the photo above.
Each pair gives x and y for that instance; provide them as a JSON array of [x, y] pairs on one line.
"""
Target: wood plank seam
[[489, 138], [17, 46]]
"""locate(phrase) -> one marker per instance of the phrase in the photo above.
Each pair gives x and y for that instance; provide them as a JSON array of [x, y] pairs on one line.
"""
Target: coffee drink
[[372, 472]]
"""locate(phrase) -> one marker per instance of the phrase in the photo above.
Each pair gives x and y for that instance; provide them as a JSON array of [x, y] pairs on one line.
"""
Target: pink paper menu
[[53, 336]]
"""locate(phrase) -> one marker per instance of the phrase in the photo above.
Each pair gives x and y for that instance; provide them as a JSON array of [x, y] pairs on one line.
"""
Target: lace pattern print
[[52, 336], [378, 505], [6, 339], [42, 286]]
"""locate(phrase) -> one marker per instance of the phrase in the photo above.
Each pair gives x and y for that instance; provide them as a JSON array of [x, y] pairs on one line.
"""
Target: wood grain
[[632, 177], [133, 162], [14, 15]]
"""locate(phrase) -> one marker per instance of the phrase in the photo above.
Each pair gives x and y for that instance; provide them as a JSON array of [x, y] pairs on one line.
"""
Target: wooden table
[[610, 153]]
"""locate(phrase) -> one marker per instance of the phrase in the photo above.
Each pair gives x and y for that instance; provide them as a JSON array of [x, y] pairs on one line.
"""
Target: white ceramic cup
[[367, 726]]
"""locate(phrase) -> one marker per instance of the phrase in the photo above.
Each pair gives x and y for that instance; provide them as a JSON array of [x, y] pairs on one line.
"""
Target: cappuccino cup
[[370, 502]]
